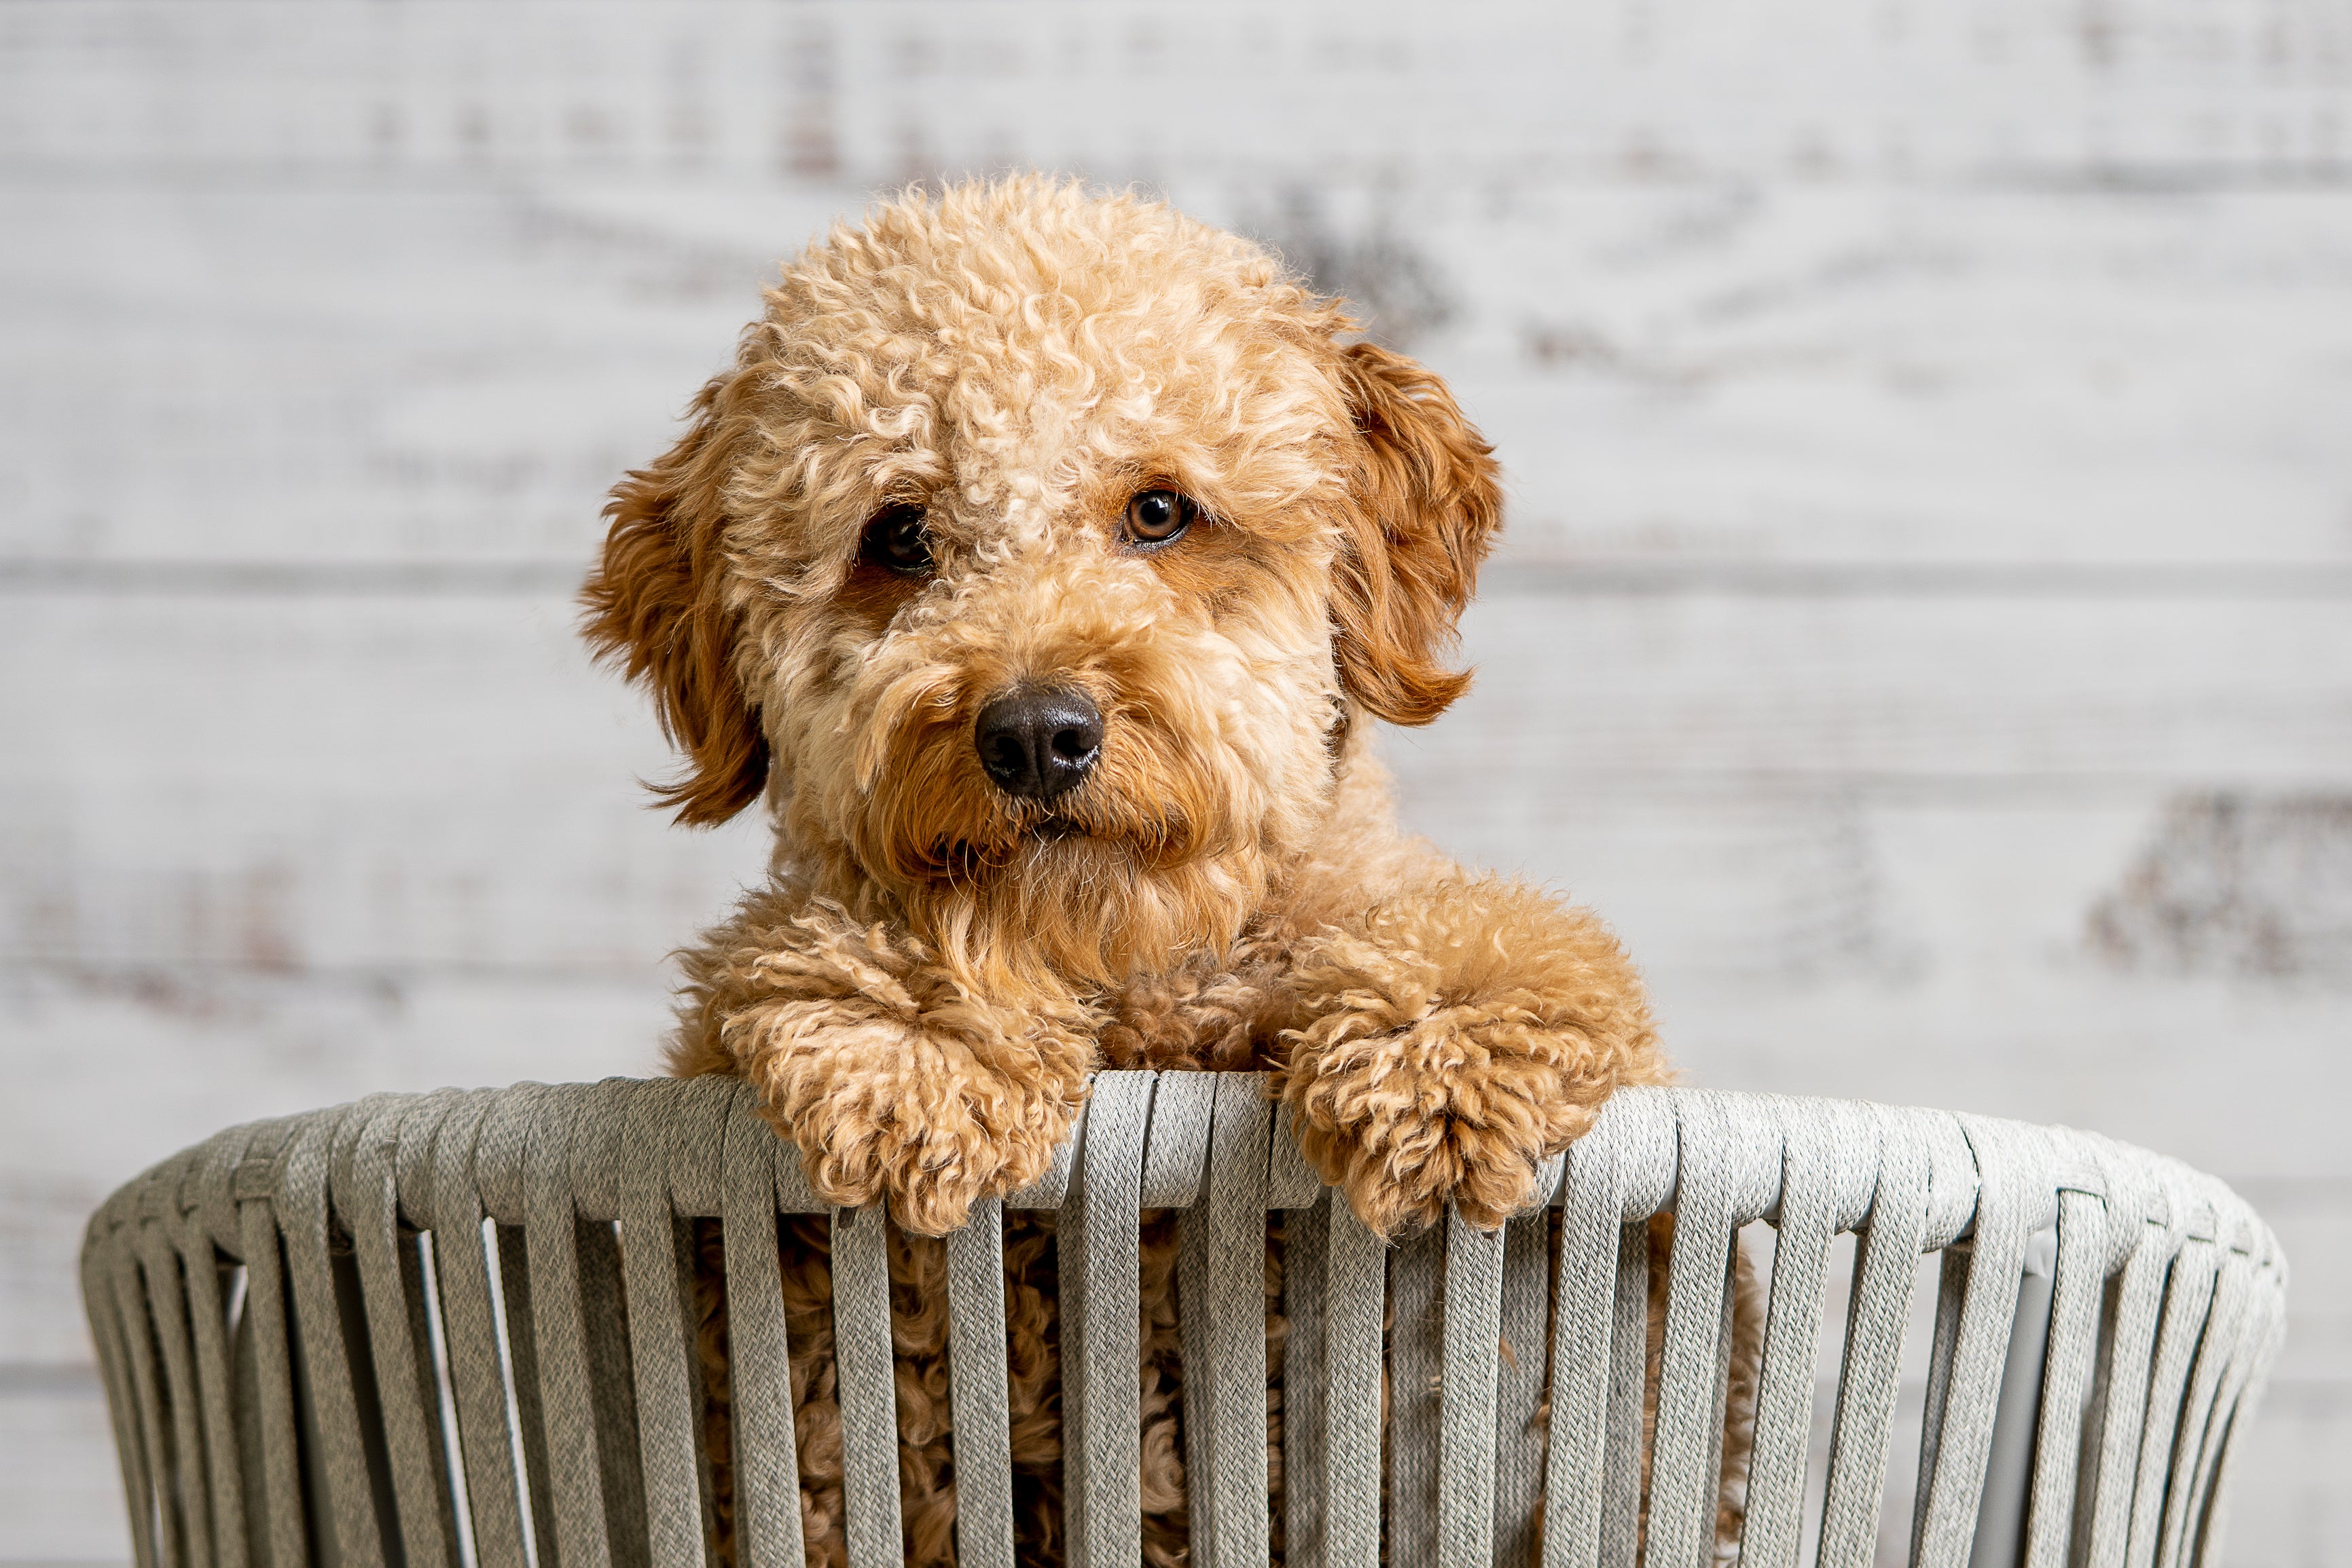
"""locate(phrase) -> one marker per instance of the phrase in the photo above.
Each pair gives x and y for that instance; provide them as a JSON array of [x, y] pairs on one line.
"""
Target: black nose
[[1039, 741]]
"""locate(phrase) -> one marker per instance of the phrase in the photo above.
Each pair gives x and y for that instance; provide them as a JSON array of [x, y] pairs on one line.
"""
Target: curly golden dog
[[1039, 566]]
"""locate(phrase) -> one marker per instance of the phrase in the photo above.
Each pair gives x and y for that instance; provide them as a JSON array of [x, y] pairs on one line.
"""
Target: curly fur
[[933, 964]]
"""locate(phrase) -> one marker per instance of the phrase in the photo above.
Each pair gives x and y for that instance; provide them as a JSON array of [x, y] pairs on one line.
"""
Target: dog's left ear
[[1424, 503], [656, 606]]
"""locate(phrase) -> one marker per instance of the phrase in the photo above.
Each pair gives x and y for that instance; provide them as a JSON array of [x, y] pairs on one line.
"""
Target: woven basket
[[301, 1321]]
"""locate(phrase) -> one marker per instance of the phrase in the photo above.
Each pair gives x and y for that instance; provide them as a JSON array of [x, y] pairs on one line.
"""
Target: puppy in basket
[[1039, 567]]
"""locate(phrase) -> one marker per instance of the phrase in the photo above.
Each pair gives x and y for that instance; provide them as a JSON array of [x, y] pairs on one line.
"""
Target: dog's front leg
[[1455, 1036], [897, 1077]]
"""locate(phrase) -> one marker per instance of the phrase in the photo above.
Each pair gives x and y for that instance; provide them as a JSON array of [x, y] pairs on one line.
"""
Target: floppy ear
[[656, 606], [1424, 504]]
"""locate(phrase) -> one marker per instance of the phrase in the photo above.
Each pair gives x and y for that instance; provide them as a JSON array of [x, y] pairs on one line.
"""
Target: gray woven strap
[[2263, 1320], [1878, 1311], [1414, 1367], [1101, 1419], [2118, 1408], [1221, 1288], [578, 1444], [670, 1404], [1951, 1294], [2188, 1301], [1999, 1535], [1729, 1172], [869, 1413], [1682, 1491], [979, 1387], [171, 1542], [469, 1322], [862, 1357], [599, 1160], [168, 1316], [979, 1391], [1416, 1357], [1182, 1105], [367, 1195], [1354, 1267], [1953, 1190], [1519, 1378], [1830, 1158], [2013, 1200], [2217, 1347], [326, 1359], [267, 1347], [208, 1320], [554, 1266], [500, 1149], [168, 1313], [2066, 1373], [1591, 1340], [99, 1251], [2256, 1349], [1306, 1370], [1474, 1329], [759, 1353]]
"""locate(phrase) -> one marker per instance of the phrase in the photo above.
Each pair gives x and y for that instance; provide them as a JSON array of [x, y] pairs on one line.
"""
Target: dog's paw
[[927, 1134], [1455, 1105], [932, 1162]]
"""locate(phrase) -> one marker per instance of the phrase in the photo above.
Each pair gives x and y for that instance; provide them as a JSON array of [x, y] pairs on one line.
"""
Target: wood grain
[[1639, 88], [1692, 381]]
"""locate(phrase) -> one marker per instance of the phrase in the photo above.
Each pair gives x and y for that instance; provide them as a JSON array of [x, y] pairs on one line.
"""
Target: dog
[[1040, 566]]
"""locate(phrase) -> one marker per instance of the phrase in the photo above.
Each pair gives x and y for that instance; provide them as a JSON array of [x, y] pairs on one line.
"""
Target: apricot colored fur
[[933, 965]]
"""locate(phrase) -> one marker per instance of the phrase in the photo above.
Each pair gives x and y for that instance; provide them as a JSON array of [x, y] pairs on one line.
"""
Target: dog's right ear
[[1424, 504], [656, 606]]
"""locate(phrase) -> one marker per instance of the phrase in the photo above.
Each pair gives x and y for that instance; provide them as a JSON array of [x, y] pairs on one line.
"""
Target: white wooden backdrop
[[1922, 625]]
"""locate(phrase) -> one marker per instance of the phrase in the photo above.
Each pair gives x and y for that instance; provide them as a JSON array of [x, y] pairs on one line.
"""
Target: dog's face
[[1032, 558]]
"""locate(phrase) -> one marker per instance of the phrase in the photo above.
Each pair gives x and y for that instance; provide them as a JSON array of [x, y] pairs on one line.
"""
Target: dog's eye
[[1155, 516], [895, 538]]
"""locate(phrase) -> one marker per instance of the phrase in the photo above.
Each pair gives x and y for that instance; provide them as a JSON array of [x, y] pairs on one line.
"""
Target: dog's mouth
[[966, 858], [1031, 845]]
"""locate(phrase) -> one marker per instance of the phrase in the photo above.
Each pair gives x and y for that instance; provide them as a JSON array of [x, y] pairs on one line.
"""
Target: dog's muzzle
[[1039, 742]]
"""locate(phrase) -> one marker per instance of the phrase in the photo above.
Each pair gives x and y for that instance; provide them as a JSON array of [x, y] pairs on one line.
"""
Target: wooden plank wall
[[1923, 626]]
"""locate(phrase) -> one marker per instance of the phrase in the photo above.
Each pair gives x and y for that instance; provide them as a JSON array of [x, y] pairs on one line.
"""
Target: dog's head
[[1033, 558]]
